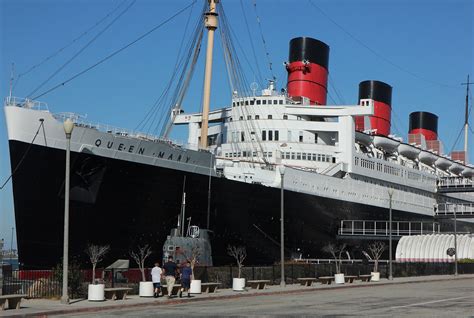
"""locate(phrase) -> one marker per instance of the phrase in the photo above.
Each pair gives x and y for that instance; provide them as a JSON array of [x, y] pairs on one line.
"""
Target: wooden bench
[[116, 293], [365, 278], [349, 278], [12, 300], [209, 287], [326, 279], [307, 281], [174, 291], [258, 284]]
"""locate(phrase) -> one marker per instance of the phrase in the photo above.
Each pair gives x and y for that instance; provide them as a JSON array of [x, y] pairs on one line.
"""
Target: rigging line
[[263, 40], [83, 48], [457, 139], [71, 43], [331, 81], [117, 51], [259, 73], [375, 52], [24, 155], [147, 116]]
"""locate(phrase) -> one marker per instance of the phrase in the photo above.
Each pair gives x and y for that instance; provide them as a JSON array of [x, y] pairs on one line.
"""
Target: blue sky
[[423, 48]]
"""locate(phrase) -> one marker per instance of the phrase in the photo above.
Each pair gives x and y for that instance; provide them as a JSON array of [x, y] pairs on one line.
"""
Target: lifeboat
[[468, 172], [456, 168], [443, 163], [428, 158], [364, 139], [386, 144], [408, 151]]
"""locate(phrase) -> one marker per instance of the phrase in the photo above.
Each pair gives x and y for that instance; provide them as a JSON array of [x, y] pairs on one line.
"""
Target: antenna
[[466, 118], [12, 74]]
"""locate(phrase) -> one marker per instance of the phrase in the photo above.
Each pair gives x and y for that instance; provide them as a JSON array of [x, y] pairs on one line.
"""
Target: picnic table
[[258, 284], [326, 279], [307, 281], [13, 301], [116, 293], [209, 287]]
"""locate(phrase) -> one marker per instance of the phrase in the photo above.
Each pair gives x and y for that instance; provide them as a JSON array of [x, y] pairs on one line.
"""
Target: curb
[[224, 297]]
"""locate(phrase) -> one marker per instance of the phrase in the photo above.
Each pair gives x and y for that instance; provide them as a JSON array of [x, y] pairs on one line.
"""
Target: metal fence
[[48, 283]]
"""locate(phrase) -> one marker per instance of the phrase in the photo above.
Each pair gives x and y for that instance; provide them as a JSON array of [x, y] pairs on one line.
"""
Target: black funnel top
[[376, 90], [423, 120], [309, 49]]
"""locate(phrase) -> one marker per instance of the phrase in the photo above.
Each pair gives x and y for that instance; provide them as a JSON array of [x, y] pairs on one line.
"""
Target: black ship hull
[[123, 204]]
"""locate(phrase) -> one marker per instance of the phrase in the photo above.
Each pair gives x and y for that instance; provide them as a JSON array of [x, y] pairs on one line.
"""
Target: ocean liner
[[334, 163]]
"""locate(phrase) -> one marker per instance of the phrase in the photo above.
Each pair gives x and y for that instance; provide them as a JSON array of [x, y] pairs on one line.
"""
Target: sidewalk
[[46, 307]]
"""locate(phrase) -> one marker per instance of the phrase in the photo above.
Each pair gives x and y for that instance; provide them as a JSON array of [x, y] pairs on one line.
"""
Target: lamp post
[[282, 228], [68, 127], [455, 243], [390, 275]]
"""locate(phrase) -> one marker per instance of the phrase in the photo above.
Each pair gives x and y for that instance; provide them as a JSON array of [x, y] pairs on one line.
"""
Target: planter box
[[238, 284], [95, 292], [339, 278], [195, 286], [146, 289]]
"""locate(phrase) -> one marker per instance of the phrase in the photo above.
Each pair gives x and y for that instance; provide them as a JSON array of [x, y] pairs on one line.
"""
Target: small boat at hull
[[427, 157], [443, 163], [408, 151], [386, 144]]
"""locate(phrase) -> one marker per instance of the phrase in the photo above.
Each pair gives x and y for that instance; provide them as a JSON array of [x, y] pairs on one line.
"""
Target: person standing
[[186, 275], [170, 271], [156, 274]]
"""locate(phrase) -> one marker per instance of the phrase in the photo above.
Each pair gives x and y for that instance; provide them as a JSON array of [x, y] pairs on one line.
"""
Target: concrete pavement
[[432, 290]]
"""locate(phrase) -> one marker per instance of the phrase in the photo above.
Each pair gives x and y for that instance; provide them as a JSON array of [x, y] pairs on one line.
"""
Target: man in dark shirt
[[186, 274], [170, 274]]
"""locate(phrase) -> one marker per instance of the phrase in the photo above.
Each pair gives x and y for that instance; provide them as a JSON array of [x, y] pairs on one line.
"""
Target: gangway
[[373, 229], [448, 210], [455, 184]]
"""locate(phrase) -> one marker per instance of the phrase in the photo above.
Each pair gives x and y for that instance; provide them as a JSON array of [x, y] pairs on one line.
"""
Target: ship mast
[[466, 120], [210, 22]]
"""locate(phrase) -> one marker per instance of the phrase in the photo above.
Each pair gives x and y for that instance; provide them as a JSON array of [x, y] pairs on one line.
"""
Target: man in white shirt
[[156, 273]]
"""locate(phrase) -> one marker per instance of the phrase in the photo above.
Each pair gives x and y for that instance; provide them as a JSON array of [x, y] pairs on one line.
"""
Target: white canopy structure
[[432, 248]]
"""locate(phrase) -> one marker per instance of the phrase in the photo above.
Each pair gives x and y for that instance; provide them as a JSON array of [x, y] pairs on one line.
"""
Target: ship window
[[264, 102], [257, 116], [293, 155], [319, 157], [235, 155], [230, 118], [264, 135], [241, 117], [270, 154], [277, 137], [238, 154], [242, 136], [281, 101], [233, 104], [254, 154], [275, 102], [301, 138], [246, 103], [227, 155], [171, 248], [265, 154], [270, 135], [304, 156], [285, 117], [298, 156], [252, 102], [315, 138], [258, 101], [244, 153], [270, 116], [314, 157], [249, 116]]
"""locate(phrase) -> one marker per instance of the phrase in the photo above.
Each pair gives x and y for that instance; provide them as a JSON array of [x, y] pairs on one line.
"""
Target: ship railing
[[450, 209], [25, 103], [79, 121], [332, 261], [455, 182], [382, 228]]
